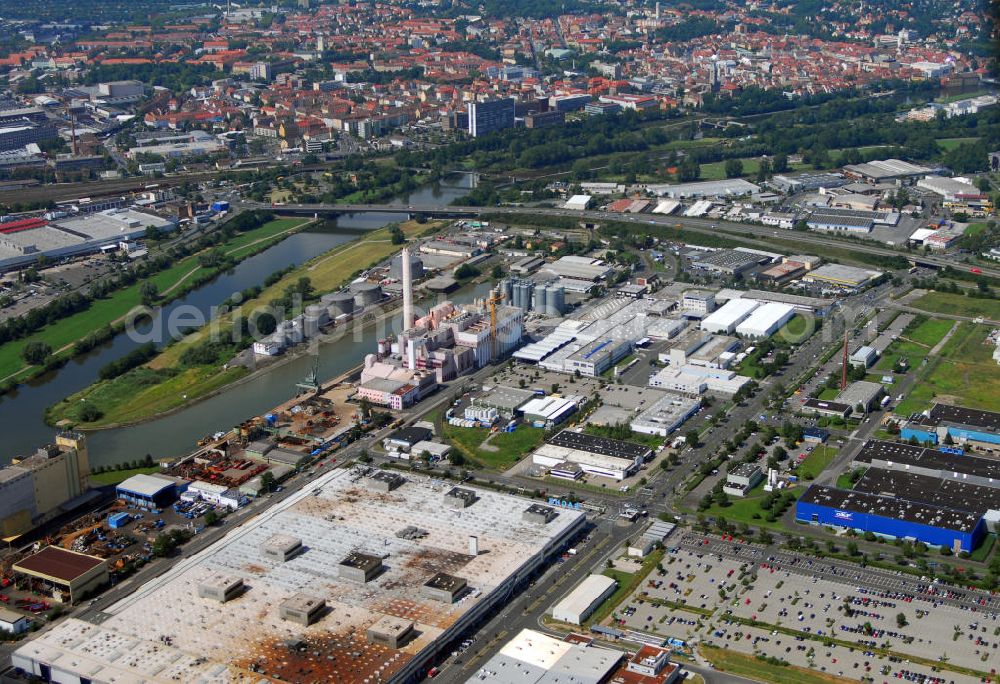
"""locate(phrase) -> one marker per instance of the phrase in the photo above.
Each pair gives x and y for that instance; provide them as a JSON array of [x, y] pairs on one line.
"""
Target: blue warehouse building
[[889, 516], [942, 497], [961, 424], [149, 492]]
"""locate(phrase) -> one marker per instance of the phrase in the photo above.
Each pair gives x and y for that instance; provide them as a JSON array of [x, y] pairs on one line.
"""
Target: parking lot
[[845, 620]]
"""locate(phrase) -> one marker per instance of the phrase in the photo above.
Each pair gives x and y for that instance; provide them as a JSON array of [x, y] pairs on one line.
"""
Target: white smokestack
[[407, 290], [473, 545]]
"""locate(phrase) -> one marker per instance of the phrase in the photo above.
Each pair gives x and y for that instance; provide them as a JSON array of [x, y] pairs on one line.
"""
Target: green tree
[[689, 170], [90, 413], [466, 271], [734, 168], [163, 545], [365, 409], [149, 292], [266, 481], [36, 353]]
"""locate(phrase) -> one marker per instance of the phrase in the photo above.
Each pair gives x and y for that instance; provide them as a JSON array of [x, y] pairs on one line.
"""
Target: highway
[[744, 231]]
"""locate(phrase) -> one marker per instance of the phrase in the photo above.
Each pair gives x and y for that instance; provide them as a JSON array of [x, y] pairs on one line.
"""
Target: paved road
[[706, 226], [527, 610]]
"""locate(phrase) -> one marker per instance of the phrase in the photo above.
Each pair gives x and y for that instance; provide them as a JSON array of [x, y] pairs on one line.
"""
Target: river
[[21, 411]]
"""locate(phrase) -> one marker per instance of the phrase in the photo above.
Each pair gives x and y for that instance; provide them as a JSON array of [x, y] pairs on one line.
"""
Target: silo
[[315, 317], [339, 303], [396, 267], [522, 294], [541, 299], [556, 300], [366, 294], [507, 288]]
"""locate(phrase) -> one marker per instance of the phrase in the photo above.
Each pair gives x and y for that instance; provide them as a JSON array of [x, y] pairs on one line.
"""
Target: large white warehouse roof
[[766, 319], [581, 601], [730, 315]]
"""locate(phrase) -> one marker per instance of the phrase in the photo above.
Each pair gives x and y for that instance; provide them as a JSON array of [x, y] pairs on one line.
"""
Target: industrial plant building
[[665, 415], [729, 262], [882, 171], [590, 455], [23, 241], [840, 276], [765, 320], [580, 603], [890, 516], [37, 488], [148, 492], [959, 423], [594, 343], [939, 497], [730, 187], [578, 268], [67, 575], [370, 594], [691, 380], [447, 342], [725, 319]]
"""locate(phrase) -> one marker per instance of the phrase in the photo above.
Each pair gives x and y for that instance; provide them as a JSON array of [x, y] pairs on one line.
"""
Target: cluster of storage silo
[[548, 299], [522, 291], [553, 299]]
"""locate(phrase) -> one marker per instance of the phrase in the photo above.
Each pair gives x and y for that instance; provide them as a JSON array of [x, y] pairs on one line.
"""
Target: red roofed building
[[24, 224], [69, 574]]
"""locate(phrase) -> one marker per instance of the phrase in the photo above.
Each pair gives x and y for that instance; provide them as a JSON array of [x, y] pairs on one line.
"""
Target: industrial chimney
[[407, 290]]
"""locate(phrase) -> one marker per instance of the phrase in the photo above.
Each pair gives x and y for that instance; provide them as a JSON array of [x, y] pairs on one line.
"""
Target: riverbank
[[170, 382], [237, 380], [110, 313]]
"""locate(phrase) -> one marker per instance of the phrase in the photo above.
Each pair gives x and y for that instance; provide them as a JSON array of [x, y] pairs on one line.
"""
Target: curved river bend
[[21, 411]]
